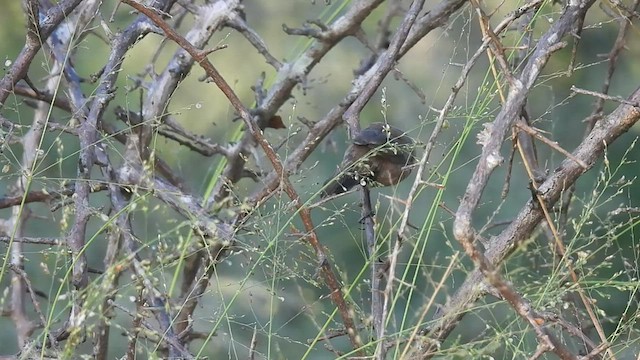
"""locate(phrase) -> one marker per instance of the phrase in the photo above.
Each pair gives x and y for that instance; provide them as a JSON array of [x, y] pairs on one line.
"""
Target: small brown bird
[[379, 155]]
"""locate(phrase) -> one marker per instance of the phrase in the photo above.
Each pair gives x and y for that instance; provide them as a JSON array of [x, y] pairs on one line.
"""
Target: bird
[[380, 155]]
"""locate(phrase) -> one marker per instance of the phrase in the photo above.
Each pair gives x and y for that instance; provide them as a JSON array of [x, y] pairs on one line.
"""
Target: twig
[[382, 67], [330, 278], [434, 135], [40, 31], [591, 148], [254, 343], [36, 305], [603, 96], [553, 144], [438, 16], [44, 195], [138, 319], [32, 240], [614, 54], [377, 300], [237, 23], [429, 304]]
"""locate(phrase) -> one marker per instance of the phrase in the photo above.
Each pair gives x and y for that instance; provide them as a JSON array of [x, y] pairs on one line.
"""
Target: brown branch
[[290, 75], [330, 278], [419, 181], [377, 266], [38, 32], [154, 298], [44, 196], [552, 144], [32, 240], [603, 96], [42, 96], [438, 16], [171, 129], [239, 24], [521, 306], [490, 157], [614, 54], [589, 151], [381, 68], [91, 152], [36, 305], [109, 286]]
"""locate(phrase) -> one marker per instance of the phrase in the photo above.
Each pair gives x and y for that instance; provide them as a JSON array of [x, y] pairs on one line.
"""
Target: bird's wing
[[372, 137]]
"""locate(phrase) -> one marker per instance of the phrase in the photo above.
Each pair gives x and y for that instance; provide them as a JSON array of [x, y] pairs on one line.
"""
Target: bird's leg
[[367, 212]]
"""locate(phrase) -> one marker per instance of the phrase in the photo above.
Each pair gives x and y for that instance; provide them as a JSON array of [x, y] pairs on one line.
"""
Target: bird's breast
[[389, 173]]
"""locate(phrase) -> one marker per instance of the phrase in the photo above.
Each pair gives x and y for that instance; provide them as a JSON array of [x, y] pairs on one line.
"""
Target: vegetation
[[164, 163]]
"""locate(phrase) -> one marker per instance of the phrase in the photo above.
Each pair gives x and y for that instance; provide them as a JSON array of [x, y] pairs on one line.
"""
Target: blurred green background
[[281, 295]]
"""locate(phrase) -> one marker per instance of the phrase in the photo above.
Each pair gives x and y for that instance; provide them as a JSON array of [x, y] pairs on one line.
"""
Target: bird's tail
[[338, 185]]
